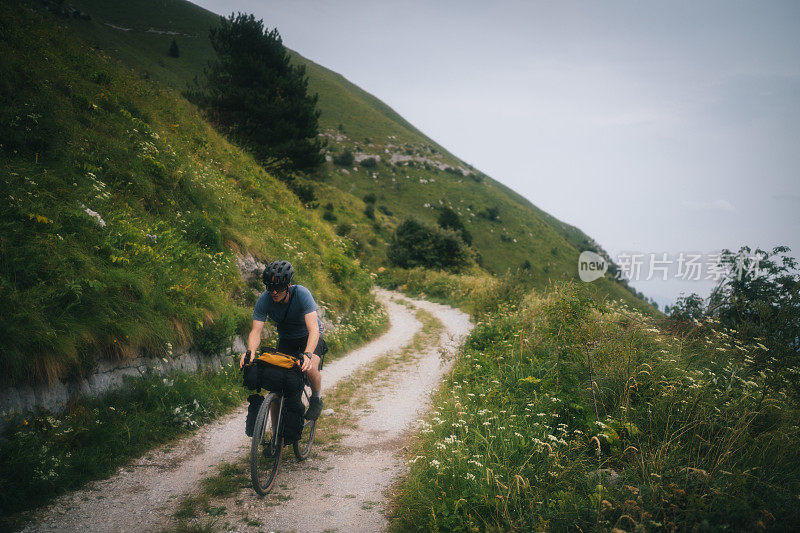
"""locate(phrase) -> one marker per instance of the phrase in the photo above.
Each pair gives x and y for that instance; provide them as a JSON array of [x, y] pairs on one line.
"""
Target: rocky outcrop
[[250, 268]]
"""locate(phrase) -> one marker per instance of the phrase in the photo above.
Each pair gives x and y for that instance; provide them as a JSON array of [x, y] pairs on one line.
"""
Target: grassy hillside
[[414, 174], [123, 214], [563, 414]]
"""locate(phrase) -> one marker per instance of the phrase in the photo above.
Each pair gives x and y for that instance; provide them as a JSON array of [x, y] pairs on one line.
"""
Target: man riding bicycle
[[294, 311]]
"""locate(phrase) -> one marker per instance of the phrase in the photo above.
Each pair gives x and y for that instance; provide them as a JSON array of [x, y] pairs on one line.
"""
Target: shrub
[[343, 229], [759, 298], [369, 211], [491, 214], [686, 309], [214, 334], [369, 198], [369, 162], [345, 159], [449, 219], [416, 244], [304, 192]]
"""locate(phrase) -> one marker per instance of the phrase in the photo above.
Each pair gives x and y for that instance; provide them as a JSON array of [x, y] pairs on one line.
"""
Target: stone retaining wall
[[108, 376]]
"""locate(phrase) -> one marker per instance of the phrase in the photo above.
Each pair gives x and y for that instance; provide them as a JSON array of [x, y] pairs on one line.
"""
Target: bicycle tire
[[302, 446], [264, 468]]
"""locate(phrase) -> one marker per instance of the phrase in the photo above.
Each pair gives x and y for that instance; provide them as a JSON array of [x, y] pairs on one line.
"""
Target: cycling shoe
[[314, 408]]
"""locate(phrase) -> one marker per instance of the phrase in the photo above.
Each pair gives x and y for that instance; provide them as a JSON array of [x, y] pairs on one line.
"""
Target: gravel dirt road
[[344, 489]]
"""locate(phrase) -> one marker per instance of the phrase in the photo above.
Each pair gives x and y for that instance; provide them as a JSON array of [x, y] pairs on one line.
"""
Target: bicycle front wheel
[[302, 446], [267, 444]]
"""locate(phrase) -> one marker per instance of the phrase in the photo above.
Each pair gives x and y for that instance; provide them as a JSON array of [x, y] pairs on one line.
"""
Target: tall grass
[[562, 413]]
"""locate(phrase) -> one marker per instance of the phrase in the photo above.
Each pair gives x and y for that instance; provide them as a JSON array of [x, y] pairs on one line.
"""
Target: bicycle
[[266, 447]]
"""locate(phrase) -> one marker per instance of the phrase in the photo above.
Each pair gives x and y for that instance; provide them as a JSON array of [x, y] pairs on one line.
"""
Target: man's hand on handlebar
[[306, 361], [245, 359]]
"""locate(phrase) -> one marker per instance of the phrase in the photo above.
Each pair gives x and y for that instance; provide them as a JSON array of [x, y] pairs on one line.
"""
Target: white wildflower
[[96, 216]]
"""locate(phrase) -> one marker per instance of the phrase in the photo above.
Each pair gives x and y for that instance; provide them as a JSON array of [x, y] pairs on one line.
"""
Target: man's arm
[[313, 337], [253, 340]]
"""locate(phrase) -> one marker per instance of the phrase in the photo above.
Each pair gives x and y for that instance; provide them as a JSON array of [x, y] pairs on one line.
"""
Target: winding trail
[[143, 495]]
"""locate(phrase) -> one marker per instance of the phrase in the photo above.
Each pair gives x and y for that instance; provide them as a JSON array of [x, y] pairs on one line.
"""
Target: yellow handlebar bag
[[278, 359], [275, 372]]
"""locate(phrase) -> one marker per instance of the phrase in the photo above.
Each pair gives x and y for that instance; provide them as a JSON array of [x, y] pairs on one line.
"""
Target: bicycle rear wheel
[[302, 446], [266, 447]]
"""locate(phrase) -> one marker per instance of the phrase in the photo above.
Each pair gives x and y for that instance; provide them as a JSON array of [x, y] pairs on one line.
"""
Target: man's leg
[[314, 375], [315, 380]]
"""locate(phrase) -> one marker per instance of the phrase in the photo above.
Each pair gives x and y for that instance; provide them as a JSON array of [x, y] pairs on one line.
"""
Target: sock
[[315, 394]]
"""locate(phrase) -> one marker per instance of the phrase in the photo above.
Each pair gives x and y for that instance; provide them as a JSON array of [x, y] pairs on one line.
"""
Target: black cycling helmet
[[278, 273]]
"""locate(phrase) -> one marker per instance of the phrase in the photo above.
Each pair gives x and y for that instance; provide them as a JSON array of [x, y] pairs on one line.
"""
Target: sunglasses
[[277, 288]]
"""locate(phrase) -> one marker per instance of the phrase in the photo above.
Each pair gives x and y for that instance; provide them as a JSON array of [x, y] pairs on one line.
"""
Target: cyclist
[[294, 311]]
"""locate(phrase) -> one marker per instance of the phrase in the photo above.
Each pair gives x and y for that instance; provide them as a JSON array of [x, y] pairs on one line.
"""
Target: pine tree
[[173, 49], [253, 93]]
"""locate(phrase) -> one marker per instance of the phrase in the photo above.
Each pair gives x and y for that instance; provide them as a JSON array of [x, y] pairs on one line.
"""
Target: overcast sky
[[655, 127]]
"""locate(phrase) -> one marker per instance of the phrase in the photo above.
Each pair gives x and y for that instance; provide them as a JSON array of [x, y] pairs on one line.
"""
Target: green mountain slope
[[98, 131], [140, 31], [123, 214]]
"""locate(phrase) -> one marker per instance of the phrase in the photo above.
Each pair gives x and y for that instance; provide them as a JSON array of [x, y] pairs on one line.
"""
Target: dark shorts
[[295, 347]]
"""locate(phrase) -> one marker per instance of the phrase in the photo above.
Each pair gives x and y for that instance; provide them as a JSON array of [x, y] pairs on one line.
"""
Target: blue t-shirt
[[290, 317]]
